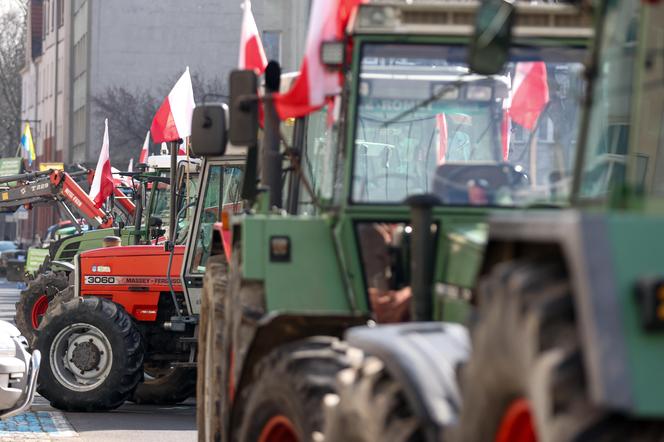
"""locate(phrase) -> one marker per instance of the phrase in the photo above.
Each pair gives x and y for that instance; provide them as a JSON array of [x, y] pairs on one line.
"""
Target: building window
[[61, 12], [52, 14], [272, 45], [45, 20]]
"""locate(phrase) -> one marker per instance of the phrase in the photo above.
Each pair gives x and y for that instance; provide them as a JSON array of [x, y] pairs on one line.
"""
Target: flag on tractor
[[27, 144], [102, 183], [316, 83], [530, 93], [173, 118], [252, 54], [145, 151]]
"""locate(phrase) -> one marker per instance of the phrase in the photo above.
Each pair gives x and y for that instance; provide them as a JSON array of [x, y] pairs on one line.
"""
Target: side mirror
[[243, 129], [490, 45], [209, 130]]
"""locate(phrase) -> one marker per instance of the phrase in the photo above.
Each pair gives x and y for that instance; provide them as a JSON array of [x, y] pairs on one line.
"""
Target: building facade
[[78, 49]]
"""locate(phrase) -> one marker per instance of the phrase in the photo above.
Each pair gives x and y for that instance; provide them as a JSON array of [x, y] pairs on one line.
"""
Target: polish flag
[[102, 183], [328, 19], [173, 118], [252, 54], [145, 151], [530, 93], [130, 167]]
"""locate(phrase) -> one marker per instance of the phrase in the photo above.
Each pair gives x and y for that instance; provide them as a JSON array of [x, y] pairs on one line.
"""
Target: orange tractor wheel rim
[[517, 423], [278, 429], [39, 310]]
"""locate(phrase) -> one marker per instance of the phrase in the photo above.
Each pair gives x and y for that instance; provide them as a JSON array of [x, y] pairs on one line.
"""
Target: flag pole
[[175, 145]]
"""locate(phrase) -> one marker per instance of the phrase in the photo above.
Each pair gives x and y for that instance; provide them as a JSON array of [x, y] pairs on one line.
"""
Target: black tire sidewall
[[271, 398], [175, 387], [109, 393]]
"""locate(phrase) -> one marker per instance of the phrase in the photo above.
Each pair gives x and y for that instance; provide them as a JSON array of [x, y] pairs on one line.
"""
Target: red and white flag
[[145, 151], [173, 118], [328, 19], [530, 93], [102, 183], [252, 54], [130, 167]]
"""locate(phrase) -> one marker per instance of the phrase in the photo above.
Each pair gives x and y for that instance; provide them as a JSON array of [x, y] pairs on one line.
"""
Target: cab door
[[219, 190]]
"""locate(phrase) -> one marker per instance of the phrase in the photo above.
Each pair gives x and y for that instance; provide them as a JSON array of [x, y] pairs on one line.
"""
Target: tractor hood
[[130, 251]]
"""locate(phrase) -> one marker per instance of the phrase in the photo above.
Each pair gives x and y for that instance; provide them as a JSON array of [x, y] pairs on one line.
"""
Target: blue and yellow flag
[[28, 145]]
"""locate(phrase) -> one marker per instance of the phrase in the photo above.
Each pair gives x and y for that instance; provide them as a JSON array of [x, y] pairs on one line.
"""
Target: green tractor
[[150, 224], [567, 326], [420, 141]]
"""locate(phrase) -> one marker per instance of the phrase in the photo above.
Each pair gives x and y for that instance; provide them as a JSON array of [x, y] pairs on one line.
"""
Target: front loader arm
[[72, 192]]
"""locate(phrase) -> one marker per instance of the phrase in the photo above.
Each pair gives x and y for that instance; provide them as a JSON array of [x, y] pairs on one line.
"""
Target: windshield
[[425, 124]]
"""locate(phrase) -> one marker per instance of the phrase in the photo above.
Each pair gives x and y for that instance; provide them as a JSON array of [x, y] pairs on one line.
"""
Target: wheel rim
[[517, 423], [278, 429], [81, 357], [39, 310]]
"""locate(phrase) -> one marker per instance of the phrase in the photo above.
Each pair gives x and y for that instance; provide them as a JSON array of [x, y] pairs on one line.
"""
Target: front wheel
[[284, 402], [92, 355], [165, 385]]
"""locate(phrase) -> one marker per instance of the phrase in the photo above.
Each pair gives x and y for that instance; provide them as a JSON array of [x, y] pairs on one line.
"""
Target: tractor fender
[[423, 358], [62, 266], [276, 329]]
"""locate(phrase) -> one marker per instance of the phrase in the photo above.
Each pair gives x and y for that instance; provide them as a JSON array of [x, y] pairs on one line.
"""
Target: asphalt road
[[135, 423]]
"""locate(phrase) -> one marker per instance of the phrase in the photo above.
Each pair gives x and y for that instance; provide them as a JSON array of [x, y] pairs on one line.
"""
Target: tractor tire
[[285, 399], [525, 379], [92, 355], [34, 301], [210, 354], [369, 405], [169, 386]]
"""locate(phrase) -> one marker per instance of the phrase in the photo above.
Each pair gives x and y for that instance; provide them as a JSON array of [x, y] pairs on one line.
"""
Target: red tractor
[[127, 329]]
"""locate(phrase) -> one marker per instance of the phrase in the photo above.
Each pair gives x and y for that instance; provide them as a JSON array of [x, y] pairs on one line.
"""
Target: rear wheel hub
[[81, 357], [39, 310], [278, 429], [517, 423], [86, 355]]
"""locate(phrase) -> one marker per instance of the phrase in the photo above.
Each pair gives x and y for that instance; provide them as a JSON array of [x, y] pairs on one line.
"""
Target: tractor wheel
[[92, 355], [369, 405], [210, 354], [284, 403], [165, 386], [34, 301], [524, 380]]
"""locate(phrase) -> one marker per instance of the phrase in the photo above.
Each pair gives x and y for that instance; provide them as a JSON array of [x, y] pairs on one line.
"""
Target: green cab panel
[[637, 251], [304, 274], [88, 240]]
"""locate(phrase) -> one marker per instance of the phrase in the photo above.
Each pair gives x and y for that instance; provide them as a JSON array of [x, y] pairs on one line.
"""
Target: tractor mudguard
[[274, 329], [62, 266], [422, 357]]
